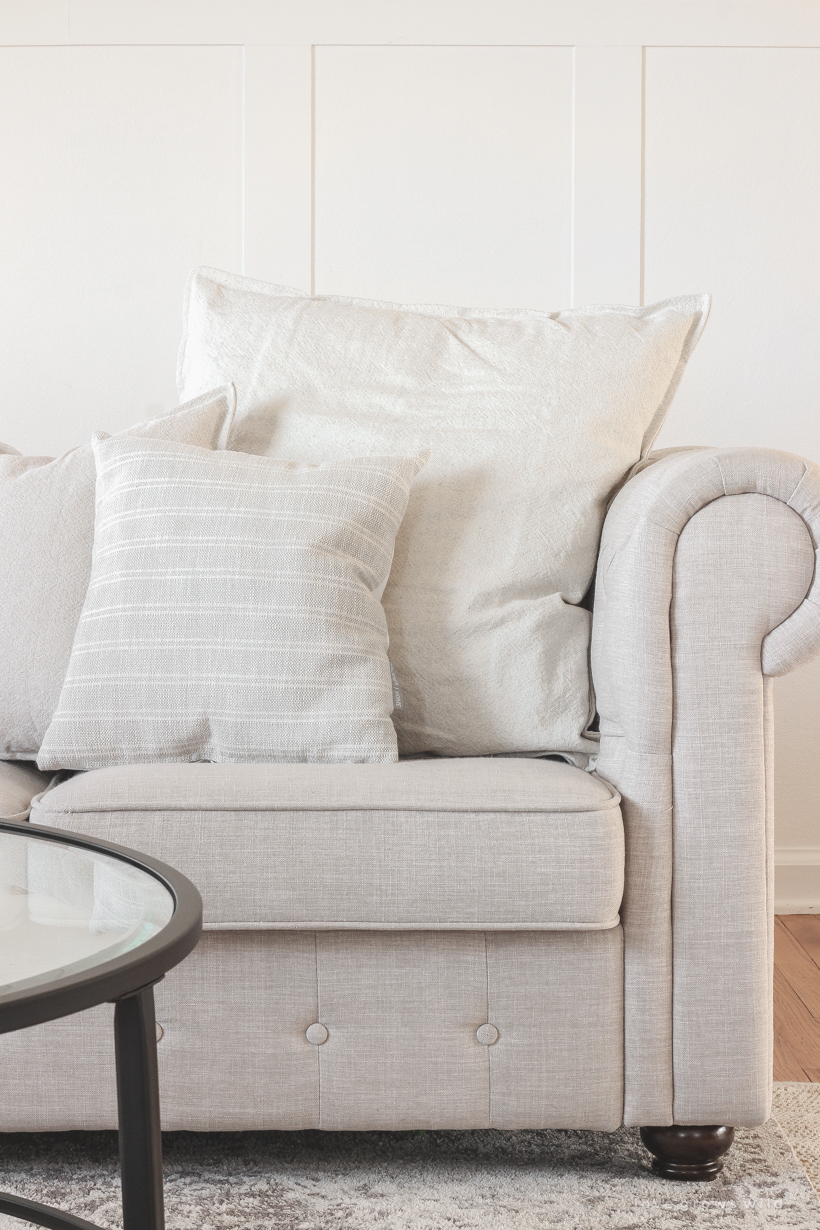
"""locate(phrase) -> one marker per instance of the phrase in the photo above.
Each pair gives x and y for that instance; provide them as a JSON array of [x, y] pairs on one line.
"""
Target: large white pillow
[[233, 611], [46, 536], [532, 421]]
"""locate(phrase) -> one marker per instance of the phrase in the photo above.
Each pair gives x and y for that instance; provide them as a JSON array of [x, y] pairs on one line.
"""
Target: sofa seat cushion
[[469, 844]]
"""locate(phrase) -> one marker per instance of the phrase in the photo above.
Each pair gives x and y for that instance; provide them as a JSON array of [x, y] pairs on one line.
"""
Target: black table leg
[[42, 1214], [135, 1040]]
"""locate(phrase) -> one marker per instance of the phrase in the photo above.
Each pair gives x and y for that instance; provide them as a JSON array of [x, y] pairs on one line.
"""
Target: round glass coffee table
[[84, 922]]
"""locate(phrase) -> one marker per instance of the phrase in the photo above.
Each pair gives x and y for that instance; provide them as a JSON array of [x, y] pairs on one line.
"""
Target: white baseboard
[[797, 880]]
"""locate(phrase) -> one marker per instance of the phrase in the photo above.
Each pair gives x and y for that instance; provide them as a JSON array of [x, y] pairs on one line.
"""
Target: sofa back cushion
[[46, 538], [531, 420]]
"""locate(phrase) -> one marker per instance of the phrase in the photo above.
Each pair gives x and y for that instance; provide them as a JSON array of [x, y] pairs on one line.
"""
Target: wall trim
[[797, 880], [797, 856]]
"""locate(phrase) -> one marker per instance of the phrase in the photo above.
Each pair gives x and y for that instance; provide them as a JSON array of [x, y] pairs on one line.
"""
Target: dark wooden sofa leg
[[691, 1153]]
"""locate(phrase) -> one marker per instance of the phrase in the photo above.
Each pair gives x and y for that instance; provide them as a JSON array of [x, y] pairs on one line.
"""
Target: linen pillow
[[532, 421], [46, 536], [232, 612]]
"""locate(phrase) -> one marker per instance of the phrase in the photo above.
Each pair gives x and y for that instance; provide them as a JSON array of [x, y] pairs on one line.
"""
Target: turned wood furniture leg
[[691, 1153]]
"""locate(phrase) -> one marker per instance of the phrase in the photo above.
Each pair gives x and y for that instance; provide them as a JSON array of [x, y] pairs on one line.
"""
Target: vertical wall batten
[[607, 175]]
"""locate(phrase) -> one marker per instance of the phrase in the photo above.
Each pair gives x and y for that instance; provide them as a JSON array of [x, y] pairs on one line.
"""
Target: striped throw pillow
[[233, 610]]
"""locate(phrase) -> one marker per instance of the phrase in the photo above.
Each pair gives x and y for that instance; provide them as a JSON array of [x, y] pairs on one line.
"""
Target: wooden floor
[[797, 997]]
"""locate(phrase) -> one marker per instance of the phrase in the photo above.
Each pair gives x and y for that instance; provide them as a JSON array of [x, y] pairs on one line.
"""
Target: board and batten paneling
[[121, 169], [277, 222], [732, 205], [500, 152], [444, 174]]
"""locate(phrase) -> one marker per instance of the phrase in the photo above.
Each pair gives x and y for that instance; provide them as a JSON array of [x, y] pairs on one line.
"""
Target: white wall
[[493, 152]]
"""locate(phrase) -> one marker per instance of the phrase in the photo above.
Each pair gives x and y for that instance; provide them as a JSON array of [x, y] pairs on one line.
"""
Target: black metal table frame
[[128, 981]]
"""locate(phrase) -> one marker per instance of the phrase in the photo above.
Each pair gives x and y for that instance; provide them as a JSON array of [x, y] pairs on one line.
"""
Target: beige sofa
[[500, 942]]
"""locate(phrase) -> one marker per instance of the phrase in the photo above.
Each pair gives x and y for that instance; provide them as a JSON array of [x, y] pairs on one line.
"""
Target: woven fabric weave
[[232, 612], [531, 420]]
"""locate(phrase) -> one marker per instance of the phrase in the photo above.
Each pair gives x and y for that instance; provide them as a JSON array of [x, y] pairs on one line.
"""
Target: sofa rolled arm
[[706, 587]]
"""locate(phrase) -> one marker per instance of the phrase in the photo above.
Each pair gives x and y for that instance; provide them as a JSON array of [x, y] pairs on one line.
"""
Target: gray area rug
[[796, 1107], [428, 1180]]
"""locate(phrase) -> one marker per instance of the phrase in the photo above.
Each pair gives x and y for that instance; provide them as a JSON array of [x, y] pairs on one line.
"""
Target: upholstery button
[[160, 1032], [487, 1034], [316, 1033]]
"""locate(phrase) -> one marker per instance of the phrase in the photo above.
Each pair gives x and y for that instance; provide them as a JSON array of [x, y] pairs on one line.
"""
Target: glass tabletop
[[64, 909]]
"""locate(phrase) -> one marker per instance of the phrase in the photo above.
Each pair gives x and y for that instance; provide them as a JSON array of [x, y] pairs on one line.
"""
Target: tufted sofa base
[[404, 1047]]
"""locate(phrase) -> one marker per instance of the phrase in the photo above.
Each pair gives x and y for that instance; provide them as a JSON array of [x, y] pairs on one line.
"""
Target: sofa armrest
[[19, 782], [706, 587]]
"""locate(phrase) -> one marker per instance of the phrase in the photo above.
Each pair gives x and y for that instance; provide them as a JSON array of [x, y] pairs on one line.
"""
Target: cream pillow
[[532, 421], [233, 611], [46, 536]]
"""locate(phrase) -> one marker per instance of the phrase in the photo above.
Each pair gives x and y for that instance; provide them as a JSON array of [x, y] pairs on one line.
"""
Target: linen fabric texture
[[462, 844], [46, 539], [682, 655], [706, 585], [402, 1012], [532, 421], [232, 612]]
